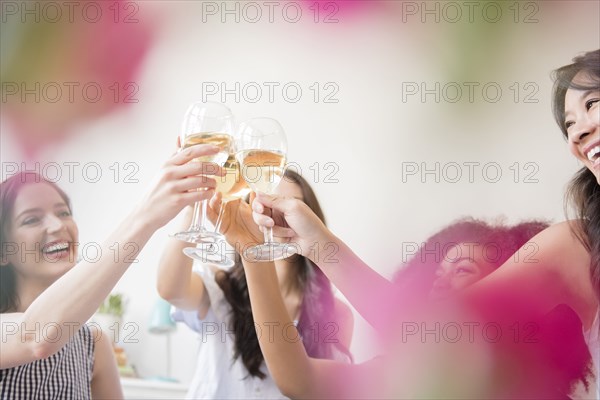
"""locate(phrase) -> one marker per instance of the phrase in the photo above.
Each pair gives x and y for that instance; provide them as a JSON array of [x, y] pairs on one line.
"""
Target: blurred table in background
[[152, 389]]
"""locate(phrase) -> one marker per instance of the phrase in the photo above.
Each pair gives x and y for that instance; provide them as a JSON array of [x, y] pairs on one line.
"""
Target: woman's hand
[[291, 219], [236, 224], [179, 184]]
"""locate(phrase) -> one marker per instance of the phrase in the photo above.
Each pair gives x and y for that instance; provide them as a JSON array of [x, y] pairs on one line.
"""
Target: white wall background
[[368, 134]]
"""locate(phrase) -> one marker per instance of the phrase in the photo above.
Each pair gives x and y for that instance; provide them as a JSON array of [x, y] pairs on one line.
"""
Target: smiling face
[[582, 123], [41, 241], [462, 266]]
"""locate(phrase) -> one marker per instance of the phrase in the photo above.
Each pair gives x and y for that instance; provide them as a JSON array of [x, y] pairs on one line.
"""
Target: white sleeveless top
[[217, 375], [592, 339]]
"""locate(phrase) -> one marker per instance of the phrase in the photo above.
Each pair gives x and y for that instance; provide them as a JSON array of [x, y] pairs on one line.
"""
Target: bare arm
[[551, 269], [556, 271], [176, 282], [364, 288], [73, 298], [106, 383], [296, 374]]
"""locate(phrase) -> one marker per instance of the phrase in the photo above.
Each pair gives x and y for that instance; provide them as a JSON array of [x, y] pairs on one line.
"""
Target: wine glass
[[261, 153], [206, 123], [232, 186]]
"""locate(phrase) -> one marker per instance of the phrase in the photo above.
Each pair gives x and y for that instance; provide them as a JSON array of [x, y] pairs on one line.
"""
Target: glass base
[[209, 253], [198, 236], [270, 252]]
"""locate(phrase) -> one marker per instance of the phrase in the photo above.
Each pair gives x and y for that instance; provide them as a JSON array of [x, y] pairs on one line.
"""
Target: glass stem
[[220, 217], [268, 234], [200, 223], [195, 218]]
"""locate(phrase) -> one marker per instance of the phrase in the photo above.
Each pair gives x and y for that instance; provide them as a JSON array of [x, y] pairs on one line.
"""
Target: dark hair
[[317, 314], [583, 193], [9, 190], [418, 274]]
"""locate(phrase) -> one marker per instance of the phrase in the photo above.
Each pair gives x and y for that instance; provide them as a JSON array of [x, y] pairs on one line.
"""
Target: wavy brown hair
[[583, 193], [9, 190], [317, 325]]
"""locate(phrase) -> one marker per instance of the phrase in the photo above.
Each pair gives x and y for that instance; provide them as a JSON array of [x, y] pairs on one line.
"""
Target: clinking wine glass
[[232, 187], [206, 123], [262, 148]]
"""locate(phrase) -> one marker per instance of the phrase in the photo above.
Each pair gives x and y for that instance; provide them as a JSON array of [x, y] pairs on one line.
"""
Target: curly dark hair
[[418, 273]]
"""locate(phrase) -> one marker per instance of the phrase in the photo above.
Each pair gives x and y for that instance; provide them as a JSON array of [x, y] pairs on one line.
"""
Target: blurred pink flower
[[67, 72]]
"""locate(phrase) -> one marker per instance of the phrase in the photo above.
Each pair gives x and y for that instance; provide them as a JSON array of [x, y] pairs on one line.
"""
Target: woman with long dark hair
[[216, 304], [576, 98]]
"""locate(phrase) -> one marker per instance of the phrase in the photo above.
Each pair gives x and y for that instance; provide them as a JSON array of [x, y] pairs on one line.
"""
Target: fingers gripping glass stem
[[206, 123], [262, 152]]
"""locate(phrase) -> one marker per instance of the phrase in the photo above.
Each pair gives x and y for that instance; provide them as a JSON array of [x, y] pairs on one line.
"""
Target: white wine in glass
[[206, 123], [262, 169], [262, 152], [232, 186], [221, 140]]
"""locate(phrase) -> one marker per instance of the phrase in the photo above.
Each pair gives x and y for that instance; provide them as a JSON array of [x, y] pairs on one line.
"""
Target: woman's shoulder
[[562, 239], [561, 248], [566, 229], [561, 251]]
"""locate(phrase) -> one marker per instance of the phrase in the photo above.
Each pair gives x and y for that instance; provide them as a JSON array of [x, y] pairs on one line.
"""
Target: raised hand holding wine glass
[[262, 152], [206, 123], [231, 186]]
